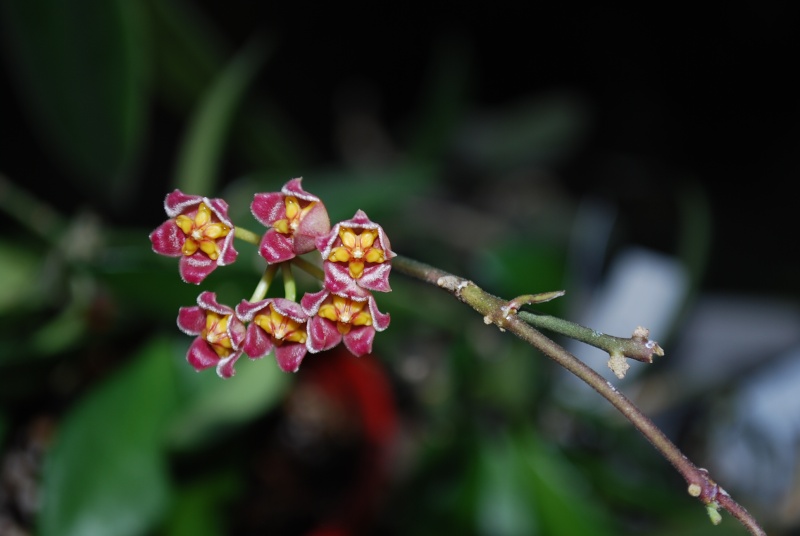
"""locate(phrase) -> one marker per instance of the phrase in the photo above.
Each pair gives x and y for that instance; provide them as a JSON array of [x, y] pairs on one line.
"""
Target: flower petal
[[322, 335], [293, 187], [227, 253], [177, 203], [220, 208], [236, 331], [376, 277], [257, 343], [276, 247], [314, 224], [208, 300], [225, 368], [289, 309], [200, 355], [338, 281], [359, 340], [311, 301], [268, 208], [167, 239], [191, 320], [246, 311], [380, 321], [289, 356], [195, 268]]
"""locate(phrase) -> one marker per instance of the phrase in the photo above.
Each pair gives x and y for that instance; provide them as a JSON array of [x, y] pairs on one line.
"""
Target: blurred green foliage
[[88, 310], [106, 471], [94, 123]]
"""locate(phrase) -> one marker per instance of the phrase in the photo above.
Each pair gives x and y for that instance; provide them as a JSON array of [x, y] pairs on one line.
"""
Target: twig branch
[[501, 313], [637, 347]]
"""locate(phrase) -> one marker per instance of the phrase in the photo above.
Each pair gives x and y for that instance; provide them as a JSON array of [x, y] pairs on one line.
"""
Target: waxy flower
[[220, 334], [296, 217], [198, 231], [356, 255], [334, 319], [275, 323]]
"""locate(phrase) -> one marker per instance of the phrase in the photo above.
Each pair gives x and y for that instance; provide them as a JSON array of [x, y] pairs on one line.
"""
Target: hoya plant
[[352, 261], [361, 351]]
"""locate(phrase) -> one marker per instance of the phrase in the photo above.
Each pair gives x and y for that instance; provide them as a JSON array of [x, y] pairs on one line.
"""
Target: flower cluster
[[355, 257]]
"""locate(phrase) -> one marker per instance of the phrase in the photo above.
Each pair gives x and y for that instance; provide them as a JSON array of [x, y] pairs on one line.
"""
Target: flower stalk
[[247, 235], [289, 284], [263, 284], [310, 268]]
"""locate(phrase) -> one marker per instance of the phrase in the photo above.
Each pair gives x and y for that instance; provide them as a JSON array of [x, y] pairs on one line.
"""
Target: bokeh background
[[645, 161]]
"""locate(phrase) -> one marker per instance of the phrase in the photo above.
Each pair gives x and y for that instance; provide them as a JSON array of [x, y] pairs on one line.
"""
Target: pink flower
[[198, 231], [333, 319], [219, 334], [296, 218], [275, 323], [356, 255]]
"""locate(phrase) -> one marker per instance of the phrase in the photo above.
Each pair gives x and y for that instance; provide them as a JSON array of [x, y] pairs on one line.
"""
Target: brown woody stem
[[496, 311]]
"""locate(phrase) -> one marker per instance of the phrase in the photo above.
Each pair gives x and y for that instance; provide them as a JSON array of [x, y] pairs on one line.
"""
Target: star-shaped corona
[[198, 231], [275, 324], [356, 256], [334, 319], [296, 219], [219, 334], [202, 232]]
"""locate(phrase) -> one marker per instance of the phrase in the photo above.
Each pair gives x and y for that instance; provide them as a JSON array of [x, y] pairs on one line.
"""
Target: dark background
[[656, 106], [708, 94], [699, 92]]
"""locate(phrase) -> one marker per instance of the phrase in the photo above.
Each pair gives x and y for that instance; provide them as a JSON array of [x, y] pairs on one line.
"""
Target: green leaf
[[210, 404], [520, 265], [191, 53], [81, 76], [105, 473], [19, 272], [519, 486], [202, 149], [563, 499], [504, 505], [199, 508], [58, 333]]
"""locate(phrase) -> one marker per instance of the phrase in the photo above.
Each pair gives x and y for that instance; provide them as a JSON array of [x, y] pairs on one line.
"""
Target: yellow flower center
[[280, 327], [202, 232], [294, 215], [356, 249], [346, 313], [216, 334]]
